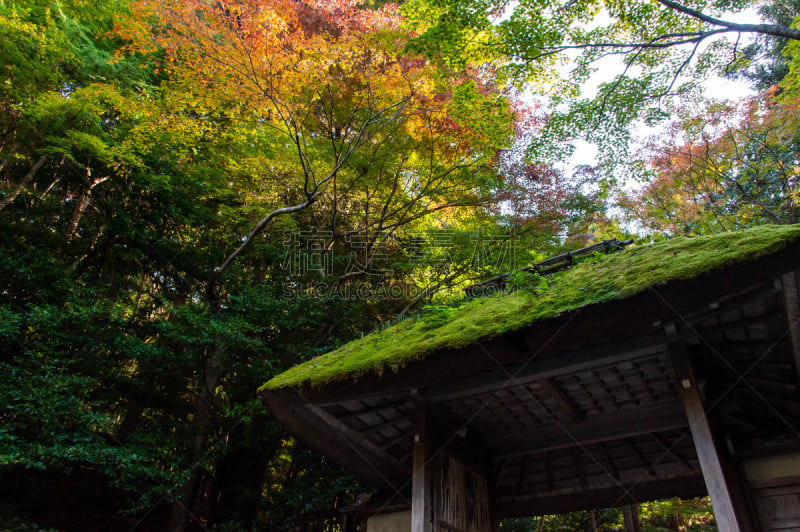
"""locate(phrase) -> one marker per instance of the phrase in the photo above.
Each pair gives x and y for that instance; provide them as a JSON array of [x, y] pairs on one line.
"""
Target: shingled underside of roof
[[610, 277]]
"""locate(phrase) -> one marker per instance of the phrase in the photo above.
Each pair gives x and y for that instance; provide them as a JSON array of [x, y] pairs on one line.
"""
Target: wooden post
[[723, 481], [792, 309], [421, 475], [448, 488]]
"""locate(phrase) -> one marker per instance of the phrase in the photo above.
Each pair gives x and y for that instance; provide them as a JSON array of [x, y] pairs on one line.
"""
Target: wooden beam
[[647, 465], [354, 436], [382, 424], [394, 441], [290, 409], [312, 396], [578, 457], [523, 470], [632, 422], [732, 298], [648, 490], [499, 470], [537, 369], [422, 471], [670, 450], [791, 305], [370, 410], [563, 399], [607, 455], [724, 485]]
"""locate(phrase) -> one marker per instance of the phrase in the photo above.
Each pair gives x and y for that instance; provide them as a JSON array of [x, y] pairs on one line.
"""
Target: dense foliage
[[141, 144]]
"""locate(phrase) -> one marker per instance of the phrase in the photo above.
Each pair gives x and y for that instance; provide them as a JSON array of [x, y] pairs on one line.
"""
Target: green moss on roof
[[615, 276]]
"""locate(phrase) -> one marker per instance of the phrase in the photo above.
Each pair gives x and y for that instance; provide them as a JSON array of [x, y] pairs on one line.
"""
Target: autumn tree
[[723, 168], [359, 138]]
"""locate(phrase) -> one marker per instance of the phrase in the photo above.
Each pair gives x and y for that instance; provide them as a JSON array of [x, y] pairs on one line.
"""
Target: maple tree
[[339, 97], [358, 138], [726, 168]]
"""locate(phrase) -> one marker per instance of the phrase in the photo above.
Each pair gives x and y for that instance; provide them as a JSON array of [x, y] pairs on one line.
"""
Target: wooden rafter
[[499, 470], [364, 411], [670, 450], [563, 399], [576, 454], [626, 385], [383, 423], [306, 425], [543, 368], [522, 472], [596, 429], [397, 439], [607, 455], [791, 302], [608, 391], [356, 437], [647, 382], [640, 455]]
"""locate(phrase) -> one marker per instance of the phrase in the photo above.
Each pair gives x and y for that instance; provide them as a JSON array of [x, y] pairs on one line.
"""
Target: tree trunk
[[201, 421], [241, 470], [132, 416], [80, 208], [631, 515]]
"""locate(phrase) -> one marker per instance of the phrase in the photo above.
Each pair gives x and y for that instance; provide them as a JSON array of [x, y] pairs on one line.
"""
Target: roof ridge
[[547, 266]]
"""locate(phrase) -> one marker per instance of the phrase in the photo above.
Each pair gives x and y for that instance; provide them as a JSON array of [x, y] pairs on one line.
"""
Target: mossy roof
[[616, 276]]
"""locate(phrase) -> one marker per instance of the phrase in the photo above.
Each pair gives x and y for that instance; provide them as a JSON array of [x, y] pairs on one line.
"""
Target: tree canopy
[[659, 52]]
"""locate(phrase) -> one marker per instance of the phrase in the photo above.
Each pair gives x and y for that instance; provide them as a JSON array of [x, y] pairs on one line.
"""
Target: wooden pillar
[[421, 474], [791, 305], [448, 490], [724, 481]]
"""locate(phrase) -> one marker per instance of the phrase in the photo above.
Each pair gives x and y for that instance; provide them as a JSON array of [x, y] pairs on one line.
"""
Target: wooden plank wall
[[778, 503], [461, 497]]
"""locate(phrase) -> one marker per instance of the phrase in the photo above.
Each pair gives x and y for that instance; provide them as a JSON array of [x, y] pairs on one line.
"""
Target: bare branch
[[22, 184], [254, 233], [767, 29], [677, 74]]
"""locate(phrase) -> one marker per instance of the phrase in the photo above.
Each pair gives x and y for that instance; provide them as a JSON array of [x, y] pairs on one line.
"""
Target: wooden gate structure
[[663, 370]]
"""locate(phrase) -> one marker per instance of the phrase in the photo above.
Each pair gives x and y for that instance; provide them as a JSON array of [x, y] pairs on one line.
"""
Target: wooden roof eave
[[645, 311], [366, 462], [606, 333]]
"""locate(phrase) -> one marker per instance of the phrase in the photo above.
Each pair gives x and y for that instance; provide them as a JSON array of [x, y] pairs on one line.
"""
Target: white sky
[[716, 87]]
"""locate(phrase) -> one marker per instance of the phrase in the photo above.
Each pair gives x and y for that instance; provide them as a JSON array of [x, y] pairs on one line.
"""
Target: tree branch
[[767, 29], [254, 233], [22, 184]]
